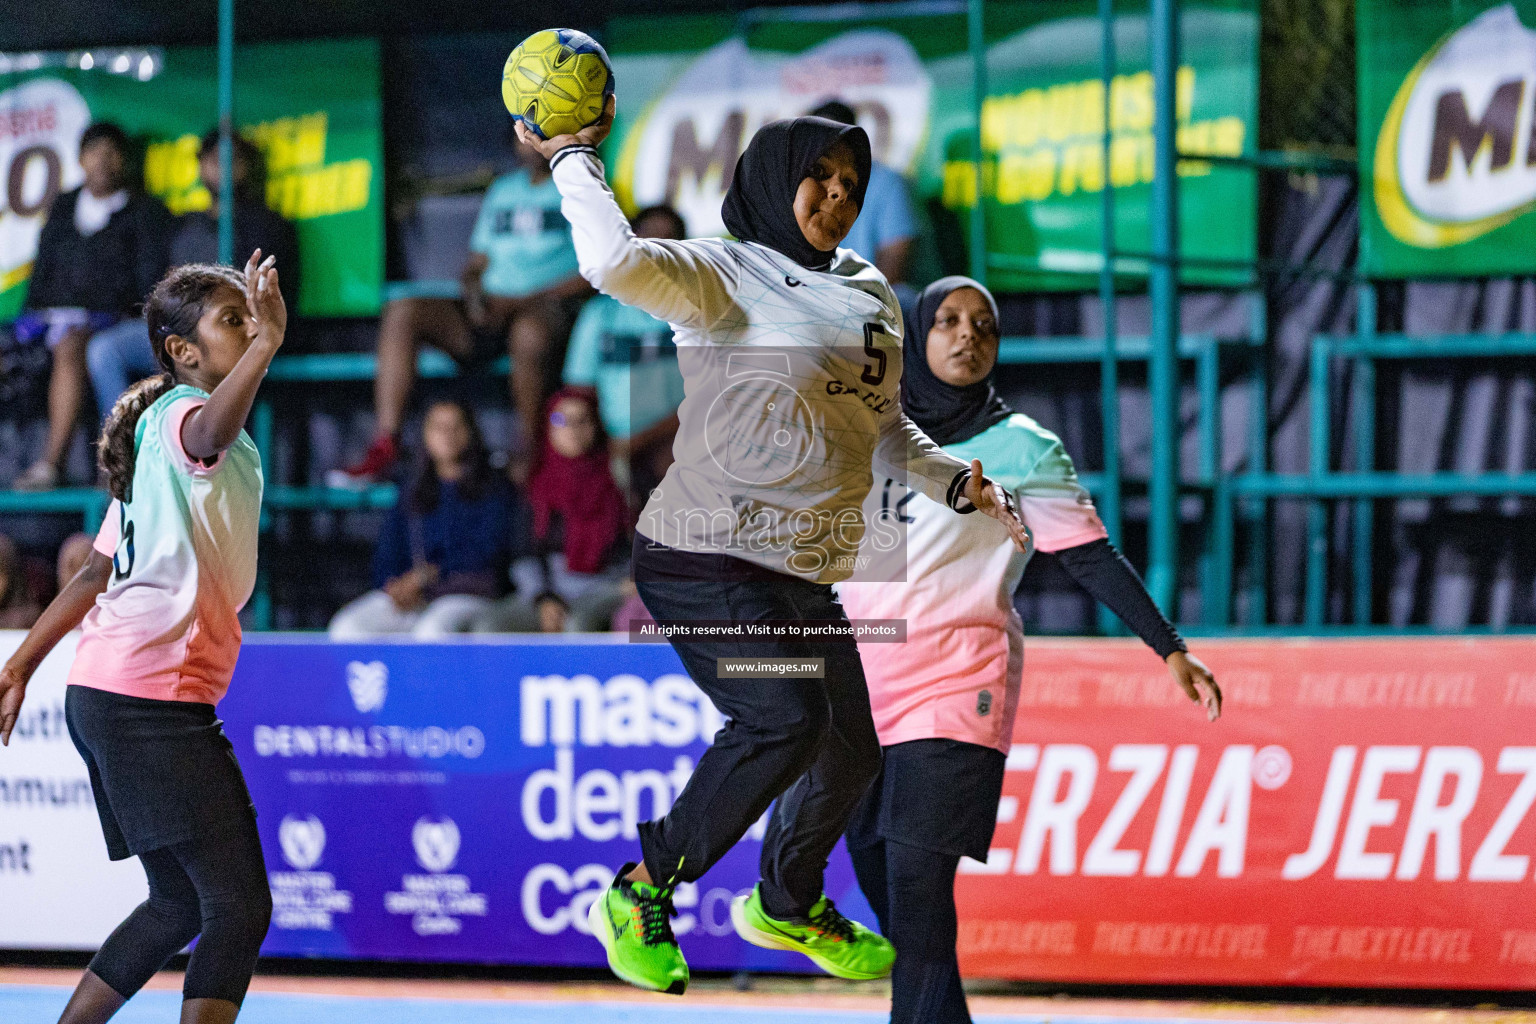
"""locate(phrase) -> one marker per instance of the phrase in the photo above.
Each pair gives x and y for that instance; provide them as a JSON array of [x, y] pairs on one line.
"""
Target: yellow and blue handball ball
[[557, 82]]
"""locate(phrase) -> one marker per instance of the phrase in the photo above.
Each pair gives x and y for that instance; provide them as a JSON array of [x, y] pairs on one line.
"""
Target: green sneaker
[[632, 921], [843, 948]]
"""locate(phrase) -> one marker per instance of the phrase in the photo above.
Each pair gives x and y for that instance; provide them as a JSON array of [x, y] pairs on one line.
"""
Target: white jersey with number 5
[[792, 387]]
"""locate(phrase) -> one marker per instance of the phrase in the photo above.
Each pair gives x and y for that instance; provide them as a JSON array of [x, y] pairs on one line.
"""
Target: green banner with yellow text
[[693, 90], [313, 108]]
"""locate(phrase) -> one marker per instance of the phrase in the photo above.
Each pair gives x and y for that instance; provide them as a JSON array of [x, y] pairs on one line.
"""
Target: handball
[[557, 82]]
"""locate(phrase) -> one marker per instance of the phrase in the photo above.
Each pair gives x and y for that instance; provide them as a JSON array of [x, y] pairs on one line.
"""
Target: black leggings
[[810, 743], [912, 891], [214, 886], [935, 800]]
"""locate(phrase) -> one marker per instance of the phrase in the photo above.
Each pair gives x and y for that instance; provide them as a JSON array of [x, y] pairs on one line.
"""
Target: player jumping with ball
[[756, 518]]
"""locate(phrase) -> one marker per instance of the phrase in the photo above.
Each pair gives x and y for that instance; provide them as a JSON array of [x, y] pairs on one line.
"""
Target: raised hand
[[591, 135], [994, 501], [216, 425], [264, 300]]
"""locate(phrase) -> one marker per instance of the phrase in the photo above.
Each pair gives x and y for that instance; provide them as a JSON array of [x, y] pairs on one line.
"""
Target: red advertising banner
[[1361, 815]]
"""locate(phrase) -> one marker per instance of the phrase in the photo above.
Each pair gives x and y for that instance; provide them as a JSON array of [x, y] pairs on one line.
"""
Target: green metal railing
[[1226, 498]]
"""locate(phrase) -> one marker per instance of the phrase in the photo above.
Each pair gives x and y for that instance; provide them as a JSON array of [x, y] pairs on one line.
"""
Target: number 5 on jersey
[[876, 373]]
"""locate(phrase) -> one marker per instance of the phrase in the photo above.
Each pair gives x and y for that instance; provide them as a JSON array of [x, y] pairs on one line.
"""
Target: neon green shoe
[[633, 922], [843, 948]]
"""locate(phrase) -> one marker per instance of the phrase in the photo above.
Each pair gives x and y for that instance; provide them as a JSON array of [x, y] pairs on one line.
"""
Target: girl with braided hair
[[160, 598]]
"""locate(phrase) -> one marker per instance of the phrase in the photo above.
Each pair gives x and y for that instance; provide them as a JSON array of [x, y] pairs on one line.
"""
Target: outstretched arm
[[217, 423], [1100, 568], [63, 614], [679, 282], [903, 451], [1065, 523]]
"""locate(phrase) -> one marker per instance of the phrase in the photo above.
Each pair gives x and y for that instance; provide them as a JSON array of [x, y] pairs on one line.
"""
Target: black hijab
[[760, 205], [946, 413]]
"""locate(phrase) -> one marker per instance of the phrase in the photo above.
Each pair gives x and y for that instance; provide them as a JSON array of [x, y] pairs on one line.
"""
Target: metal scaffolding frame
[[1225, 498]]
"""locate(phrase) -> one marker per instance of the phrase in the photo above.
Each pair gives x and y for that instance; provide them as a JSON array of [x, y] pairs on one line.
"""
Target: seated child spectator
[[442, 557], [120, 355], [73, 554], [580, 525], [629, 357], [580, 519], [18, 608], [101, 250], [520, 290]]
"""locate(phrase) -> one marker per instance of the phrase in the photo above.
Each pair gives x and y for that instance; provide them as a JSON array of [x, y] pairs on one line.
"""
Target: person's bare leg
[[66, 392], [528, 343], [407, 324], [396, 374], [93, 1002], [404, 327], [208, 1011]]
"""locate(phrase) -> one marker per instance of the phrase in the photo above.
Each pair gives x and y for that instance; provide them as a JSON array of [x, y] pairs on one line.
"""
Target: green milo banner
[[1447, 149], [313, 108], [693, 90]]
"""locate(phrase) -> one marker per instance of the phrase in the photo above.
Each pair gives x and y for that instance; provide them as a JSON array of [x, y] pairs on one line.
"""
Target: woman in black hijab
[[947, 412], [765, 203], [944, 702], [788, 349]]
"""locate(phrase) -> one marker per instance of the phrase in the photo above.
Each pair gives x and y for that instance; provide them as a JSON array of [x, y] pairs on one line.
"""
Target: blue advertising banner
[[467, 802]]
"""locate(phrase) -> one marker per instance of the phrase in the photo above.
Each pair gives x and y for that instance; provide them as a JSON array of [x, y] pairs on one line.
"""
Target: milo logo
[[1456, 156], [684, 146]]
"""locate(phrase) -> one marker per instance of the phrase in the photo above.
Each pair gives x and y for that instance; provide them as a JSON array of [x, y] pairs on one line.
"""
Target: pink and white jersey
[[959, 672], [183, 550]]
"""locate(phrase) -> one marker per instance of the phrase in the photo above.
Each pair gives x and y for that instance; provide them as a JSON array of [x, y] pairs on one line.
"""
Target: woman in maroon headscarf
[[579, 512]]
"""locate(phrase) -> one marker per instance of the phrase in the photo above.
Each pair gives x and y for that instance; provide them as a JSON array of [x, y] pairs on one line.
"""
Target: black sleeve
[[1100, 568], [152, 254], [500, 561], [41, 287], [392, 552]]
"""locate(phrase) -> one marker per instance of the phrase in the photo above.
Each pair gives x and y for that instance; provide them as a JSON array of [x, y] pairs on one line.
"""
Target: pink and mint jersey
[[183, 550], [959, 672]]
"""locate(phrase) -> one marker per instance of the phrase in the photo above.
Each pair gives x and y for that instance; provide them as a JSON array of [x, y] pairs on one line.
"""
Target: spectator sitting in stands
[[442, 556], [520, 293], [629, 357], [580, 520], [18, 608], [887, 227], [73, 554], [580, 523], [121, 354], [101, 250]]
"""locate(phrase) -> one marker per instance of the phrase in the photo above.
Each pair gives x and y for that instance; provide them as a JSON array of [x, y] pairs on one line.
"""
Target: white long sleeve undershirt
[[831, 338]]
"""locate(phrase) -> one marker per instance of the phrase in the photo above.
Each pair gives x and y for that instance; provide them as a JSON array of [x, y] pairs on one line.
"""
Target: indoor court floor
[[29, 995]]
